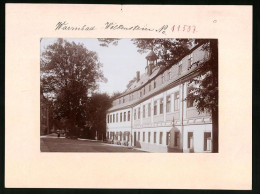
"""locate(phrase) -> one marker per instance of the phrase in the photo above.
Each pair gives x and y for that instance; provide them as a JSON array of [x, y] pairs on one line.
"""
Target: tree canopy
[[69, 72]]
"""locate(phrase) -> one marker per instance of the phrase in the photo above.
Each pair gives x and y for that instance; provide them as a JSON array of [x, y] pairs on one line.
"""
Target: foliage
[[99, 104], [69, 72], [205, 90]]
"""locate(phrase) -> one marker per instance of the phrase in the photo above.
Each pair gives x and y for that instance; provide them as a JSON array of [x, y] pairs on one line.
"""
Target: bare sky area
[[120, 62]]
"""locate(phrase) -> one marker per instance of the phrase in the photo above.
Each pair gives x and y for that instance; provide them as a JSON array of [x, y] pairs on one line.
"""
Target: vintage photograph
[[129, 95]]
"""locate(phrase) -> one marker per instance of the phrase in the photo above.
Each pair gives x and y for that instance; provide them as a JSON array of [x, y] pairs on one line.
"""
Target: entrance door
[[134, 138]]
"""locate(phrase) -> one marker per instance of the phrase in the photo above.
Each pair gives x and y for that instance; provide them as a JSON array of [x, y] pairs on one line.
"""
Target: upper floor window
[[116, 117], [107, 118], [161, 106], [190, 61], [124, 116], [176, 101], [135, 114], [111, 119], [190, 101], [169, 74], [162, 78], [155, 108], [120, 117], [143, 111], [180, 68], [154, 84], [138, 113], [128, 116], [140, 93], [168, 103], [149, 109]]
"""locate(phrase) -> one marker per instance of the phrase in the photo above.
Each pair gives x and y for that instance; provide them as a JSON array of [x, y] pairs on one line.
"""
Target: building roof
[[151, 56]]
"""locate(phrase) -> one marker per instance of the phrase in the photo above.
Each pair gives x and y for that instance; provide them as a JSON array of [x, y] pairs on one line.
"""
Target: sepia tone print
[[129, 95]]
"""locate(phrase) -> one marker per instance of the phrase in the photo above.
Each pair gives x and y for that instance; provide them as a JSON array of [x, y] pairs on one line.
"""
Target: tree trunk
[[215, 131]]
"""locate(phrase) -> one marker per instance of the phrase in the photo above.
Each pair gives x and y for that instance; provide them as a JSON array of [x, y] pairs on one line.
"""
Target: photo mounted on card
[[169, 105], [98, 93]]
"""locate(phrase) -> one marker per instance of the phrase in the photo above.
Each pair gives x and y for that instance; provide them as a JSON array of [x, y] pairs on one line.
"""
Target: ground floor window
[[149, 136], [176, 139], [154, 137], [190, 139], [161, 135], [207, 141], [138, 136], [143, 136], [167, 138]]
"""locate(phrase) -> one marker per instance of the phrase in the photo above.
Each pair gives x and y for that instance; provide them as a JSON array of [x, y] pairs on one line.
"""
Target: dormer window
[[189, 61], [180, 68]]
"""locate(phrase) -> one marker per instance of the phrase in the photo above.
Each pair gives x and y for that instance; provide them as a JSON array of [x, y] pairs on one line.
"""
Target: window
[[162, 78], [149, 87], [155, 108], [138, 113], [124, 116], [207, 141], [135, 114], [167, 138], [161, 135], [111, 119], [190, 102], [190, 139], [176, 139], [143, 136], [107, 118], [149, 109], [140, 93], [154, 137], [180, 68], [116, 117], [128, 117], [189, 61], [138, 136], [169, 74], [168, 103], [176, 101], [120, 136], [149, 136], [120, 117], [143, 111], [161, 106]]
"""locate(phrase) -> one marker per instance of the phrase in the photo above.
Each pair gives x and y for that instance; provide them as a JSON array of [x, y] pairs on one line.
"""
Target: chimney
[[137, 76]]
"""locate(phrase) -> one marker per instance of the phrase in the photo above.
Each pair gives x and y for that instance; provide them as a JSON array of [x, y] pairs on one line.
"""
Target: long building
[[153, 113]]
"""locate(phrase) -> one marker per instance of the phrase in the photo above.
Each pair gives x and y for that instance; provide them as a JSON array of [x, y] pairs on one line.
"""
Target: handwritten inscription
[[66, 26], [184, 28], [114, 26]]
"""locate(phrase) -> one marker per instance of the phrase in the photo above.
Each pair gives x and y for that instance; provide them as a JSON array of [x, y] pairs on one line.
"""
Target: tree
[[205, 90], [205, 95], [99, 104], [69, 72]]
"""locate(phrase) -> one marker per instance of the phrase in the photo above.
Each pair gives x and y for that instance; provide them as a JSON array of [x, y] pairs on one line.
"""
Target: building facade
[[153, 113]]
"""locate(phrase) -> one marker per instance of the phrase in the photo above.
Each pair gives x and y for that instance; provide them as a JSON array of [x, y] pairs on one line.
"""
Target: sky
[[120, 63]]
